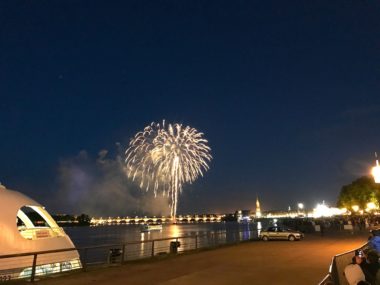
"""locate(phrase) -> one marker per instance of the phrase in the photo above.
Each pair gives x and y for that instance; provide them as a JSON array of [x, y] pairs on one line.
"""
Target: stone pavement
[[256, 262]]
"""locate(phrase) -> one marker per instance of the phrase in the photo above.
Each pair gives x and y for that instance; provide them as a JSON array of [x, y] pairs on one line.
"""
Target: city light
[[371, 206], [300, 206], [323, 210], [376, 172], [355, 208]]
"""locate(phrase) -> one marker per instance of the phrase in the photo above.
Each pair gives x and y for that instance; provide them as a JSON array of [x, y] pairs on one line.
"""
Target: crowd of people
[[337, 223], [365, 266], [307, 225]]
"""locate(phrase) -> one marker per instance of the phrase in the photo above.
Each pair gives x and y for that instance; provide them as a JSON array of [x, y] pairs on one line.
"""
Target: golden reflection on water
[[142, 243], [175, 230], [259, 227]]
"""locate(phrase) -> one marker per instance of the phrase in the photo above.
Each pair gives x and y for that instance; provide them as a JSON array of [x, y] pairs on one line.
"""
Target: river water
[[119, 234], [191, 236]]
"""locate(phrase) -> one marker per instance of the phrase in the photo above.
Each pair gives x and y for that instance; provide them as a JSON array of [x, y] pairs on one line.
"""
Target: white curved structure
[[21, 232]]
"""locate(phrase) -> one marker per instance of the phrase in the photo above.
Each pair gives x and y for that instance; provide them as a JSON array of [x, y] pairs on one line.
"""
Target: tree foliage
[[84, 220], [360, 192]]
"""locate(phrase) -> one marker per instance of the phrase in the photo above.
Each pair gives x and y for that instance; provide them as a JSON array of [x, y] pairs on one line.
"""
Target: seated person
[[371, 267], [353, 272], [372, 264]]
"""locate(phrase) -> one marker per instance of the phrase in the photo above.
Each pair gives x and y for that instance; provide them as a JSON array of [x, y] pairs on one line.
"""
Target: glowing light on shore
[[165, 157], [371, 206], [323, 210], [355, 208], [376, 172]]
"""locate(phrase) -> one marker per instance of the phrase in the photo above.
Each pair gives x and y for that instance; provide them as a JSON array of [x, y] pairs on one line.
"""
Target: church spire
[[258, 210]]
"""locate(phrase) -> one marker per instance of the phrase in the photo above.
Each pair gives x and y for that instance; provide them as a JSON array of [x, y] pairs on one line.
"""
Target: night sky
[[287, 93]]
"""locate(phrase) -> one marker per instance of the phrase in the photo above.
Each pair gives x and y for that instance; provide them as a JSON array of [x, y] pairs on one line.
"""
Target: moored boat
[[26, 228], [151, 227]]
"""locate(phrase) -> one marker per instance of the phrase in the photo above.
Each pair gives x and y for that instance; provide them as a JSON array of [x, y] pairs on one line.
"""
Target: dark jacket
[[370, 271]]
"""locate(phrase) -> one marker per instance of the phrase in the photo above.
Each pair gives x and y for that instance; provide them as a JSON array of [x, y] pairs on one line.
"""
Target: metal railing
[[28, 265], [128, 251], [337, 266]]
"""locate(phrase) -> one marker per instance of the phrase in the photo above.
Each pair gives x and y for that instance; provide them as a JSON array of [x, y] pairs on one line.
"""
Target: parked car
[[280, 233]]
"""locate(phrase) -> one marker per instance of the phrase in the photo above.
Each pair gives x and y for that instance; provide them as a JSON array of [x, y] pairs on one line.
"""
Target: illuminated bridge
[[147, 220]]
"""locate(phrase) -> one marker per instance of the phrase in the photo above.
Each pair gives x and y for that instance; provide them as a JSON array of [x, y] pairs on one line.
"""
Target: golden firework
[[165, 157]]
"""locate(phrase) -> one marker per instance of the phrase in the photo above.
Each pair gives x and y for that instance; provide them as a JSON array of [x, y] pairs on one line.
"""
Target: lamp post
[[300, 208], [376, 170]]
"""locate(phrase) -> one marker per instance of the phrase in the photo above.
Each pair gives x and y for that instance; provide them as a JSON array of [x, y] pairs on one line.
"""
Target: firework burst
[[165, 157]]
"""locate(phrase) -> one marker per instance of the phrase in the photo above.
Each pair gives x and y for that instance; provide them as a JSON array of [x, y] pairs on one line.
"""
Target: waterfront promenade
[[254, 262]]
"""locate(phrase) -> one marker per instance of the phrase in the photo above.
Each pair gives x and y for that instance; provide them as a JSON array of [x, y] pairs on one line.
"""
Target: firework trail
[[165, 157]]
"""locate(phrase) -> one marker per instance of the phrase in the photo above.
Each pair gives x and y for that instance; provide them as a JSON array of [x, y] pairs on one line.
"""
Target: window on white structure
[[33, 222]]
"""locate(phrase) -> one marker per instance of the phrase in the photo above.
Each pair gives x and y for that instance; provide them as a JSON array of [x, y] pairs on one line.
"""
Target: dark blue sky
[[287, 93]]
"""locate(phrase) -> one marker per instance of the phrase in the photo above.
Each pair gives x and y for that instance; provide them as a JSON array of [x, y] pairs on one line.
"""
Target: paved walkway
[[256, 262]]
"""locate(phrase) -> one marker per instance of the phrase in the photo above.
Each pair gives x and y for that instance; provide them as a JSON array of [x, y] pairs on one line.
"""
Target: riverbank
[[255, 262]]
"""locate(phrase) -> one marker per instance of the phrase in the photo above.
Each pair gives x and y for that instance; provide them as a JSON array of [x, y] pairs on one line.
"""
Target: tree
[[360, 192], [84, 220]]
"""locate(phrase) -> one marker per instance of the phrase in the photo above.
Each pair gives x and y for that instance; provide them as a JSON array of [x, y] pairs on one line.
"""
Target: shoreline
[[280, 262]]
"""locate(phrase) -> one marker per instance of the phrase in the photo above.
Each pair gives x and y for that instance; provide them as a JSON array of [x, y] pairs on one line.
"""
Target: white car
[[280, 233]]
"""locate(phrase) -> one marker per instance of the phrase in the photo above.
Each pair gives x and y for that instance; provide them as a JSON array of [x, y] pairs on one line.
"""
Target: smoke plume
[[100, 187]]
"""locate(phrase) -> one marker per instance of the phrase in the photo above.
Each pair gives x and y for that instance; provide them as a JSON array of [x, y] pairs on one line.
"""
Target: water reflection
[[175, 230], [259, 227], [208, 234], [245, 234], [142, 244]]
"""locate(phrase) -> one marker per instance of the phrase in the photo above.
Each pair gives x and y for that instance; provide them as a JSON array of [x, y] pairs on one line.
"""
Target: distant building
[[243, 215], [258, 209]]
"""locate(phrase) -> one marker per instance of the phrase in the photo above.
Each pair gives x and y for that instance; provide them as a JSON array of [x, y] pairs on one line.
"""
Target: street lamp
[[300, 208], [376, 170]]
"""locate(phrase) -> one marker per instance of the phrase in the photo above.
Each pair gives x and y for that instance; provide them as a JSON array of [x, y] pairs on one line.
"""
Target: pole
[[84, 265], [123, 253], [152, 248], [33, 267]]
